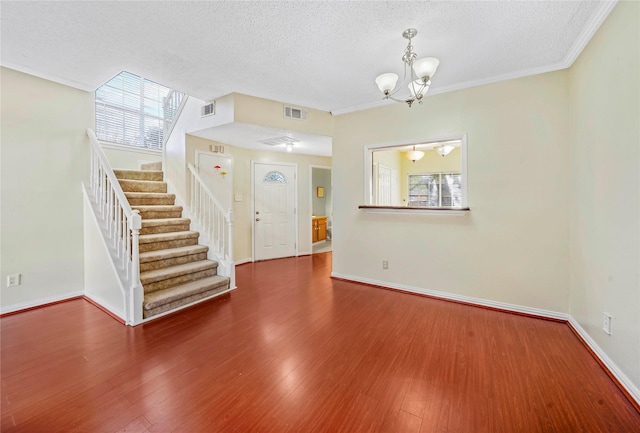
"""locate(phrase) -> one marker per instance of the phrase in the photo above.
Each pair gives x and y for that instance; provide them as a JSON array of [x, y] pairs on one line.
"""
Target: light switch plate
[[14, 280]]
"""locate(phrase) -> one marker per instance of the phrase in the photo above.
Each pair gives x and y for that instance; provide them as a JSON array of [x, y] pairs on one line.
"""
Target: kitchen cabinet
[[319, 228]]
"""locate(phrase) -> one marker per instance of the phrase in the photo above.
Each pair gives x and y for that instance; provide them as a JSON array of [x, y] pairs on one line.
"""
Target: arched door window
[[275, 177]]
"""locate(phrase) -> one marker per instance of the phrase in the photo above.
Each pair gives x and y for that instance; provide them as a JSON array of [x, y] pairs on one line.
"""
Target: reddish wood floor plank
[[292, 350]]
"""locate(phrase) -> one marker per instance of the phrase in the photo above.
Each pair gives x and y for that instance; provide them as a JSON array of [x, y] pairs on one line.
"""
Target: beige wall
[[321, 177], [44, 159], [513, 245], [604, 193], [129, 158], [264, 112], [242, 184]]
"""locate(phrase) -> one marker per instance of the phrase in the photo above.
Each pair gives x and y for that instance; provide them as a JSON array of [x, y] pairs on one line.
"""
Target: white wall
[[101, 281], [513, 245], [44, 160], [129, 158], [605, 201], [321, 177]]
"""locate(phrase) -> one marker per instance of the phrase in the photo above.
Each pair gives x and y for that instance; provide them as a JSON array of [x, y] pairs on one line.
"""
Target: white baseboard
[[39, 302], [629, 386], [459, 298], [104, 304], [243, 261]]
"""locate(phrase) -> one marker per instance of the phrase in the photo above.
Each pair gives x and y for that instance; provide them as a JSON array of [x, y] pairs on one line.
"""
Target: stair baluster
[[119, 224], [215, 221]]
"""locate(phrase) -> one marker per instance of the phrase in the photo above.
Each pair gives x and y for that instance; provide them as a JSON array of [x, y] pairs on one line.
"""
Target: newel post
[[232, 266], [136, 293], [230, 236]]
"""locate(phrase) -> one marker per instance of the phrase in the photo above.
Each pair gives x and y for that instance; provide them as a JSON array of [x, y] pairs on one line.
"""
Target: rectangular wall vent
[[279, 140], [295, 113], [208, 109]]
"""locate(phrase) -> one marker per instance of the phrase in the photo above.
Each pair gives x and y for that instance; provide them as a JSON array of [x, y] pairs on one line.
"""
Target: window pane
[[129, 110], [435, 190], [452, 190], [423, 190], [275, 177]]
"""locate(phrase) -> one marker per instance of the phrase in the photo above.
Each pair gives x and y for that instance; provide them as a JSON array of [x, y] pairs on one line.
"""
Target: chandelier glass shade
[[415, 155], [419, 76], [444, 150]]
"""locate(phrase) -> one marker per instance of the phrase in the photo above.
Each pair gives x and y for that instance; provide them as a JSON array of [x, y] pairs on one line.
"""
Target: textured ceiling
[[323, 55]]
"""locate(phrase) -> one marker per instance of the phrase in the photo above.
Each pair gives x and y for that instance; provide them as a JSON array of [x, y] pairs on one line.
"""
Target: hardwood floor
[[292, 350]]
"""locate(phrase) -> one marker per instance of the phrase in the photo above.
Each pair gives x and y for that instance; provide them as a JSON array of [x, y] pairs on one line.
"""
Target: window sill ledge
[[127, 148], [449, 211]]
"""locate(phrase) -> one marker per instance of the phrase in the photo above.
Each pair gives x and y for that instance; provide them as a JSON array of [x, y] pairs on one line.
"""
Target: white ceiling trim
[[589, 30], [47, 76], [581, 42]]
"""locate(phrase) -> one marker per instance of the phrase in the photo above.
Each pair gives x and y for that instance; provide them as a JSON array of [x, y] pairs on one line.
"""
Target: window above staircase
[[130, 110]]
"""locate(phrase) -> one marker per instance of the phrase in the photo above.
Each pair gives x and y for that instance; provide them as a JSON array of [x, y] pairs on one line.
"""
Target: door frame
[[311, 193], [253, 204]]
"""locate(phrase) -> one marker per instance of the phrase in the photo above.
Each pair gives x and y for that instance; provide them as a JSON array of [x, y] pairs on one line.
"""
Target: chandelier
[[415, 155], [420, 73], [444, 150]]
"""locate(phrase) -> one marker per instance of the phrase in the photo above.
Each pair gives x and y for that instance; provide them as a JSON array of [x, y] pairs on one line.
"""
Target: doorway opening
[[321, 209]]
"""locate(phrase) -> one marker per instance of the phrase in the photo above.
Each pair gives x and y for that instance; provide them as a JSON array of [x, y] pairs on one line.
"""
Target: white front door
[[274, 207]]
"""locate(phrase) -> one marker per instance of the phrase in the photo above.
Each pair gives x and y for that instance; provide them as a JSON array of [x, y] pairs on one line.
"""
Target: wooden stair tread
[[155, 175], [165, 222], [139, 194], [176, 293], [140, 181], [151, 166], [170, 253], [162, 237], [176, 271], [157, 207], [132, 185]]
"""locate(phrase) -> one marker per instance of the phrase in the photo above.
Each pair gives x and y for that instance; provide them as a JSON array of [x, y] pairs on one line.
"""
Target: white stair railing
[[214, 221], [121, 227], [172, 106]]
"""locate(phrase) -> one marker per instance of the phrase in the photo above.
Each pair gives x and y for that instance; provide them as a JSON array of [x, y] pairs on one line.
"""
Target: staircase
[[174, 269]]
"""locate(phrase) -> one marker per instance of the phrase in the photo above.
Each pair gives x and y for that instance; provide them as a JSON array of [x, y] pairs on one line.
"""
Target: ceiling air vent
[[279, 140], [208, 109], [295, 113]]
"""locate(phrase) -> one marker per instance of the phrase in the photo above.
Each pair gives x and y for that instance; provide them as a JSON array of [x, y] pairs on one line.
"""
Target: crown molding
[[48, 77], [597, 18]]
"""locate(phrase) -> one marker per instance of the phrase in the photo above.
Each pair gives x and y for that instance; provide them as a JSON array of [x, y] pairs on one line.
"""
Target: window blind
[[435, 190], [129, 111]]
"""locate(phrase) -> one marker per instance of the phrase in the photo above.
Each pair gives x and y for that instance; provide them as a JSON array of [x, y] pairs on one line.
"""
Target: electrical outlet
[[385, 264], [606, 323], [14, 280]]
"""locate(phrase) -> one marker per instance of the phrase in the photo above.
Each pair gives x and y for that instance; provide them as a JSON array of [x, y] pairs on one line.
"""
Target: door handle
[[257, 219]]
